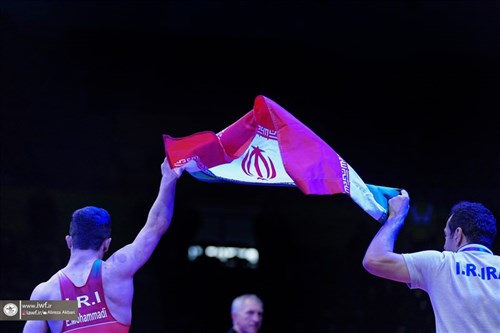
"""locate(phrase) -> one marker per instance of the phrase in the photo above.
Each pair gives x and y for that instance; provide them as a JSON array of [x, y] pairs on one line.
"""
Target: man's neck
[[80, 258]]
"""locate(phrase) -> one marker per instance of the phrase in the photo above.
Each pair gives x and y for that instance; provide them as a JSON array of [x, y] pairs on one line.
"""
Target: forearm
[[380, 258], [132, 256], [157, 223], [385, 239], [161, 212]]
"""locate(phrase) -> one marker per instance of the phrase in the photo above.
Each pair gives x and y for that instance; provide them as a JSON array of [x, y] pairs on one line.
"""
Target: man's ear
[[459, 237], [105, 244], [69, 241]]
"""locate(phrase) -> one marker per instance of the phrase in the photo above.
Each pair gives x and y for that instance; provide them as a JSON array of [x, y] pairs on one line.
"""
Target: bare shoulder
[[48, 290], [120, 264]]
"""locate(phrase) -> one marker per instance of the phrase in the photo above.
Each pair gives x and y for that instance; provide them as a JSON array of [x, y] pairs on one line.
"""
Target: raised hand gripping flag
[[269, 146]]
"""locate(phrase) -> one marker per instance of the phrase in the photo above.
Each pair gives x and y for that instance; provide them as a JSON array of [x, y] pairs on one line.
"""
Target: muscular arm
[[127, 260], [380, 259]]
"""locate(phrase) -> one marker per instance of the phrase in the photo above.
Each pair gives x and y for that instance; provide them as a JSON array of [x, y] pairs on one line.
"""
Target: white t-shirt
[[463, 286]]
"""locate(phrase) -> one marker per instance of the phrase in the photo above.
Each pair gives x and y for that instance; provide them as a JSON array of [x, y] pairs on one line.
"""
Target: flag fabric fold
[[269, 146]]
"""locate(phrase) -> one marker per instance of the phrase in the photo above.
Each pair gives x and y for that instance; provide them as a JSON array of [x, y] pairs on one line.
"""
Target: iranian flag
[[269, 146]]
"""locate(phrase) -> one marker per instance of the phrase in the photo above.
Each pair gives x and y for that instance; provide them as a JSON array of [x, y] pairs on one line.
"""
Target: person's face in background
[[249, 319]]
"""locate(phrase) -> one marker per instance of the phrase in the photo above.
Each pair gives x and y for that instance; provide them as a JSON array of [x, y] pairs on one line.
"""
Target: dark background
[[405, 91]]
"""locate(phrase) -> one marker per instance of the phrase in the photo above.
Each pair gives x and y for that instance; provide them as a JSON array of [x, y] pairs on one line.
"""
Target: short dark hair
[[477, 222], [89, 227]]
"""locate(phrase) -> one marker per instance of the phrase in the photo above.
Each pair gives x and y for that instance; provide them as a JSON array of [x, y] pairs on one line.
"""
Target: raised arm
[[127, 260], [380, 259]]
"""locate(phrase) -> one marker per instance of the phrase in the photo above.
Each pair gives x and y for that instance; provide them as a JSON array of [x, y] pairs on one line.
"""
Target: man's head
[[247, 312], [469, 222], [90, 226]]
